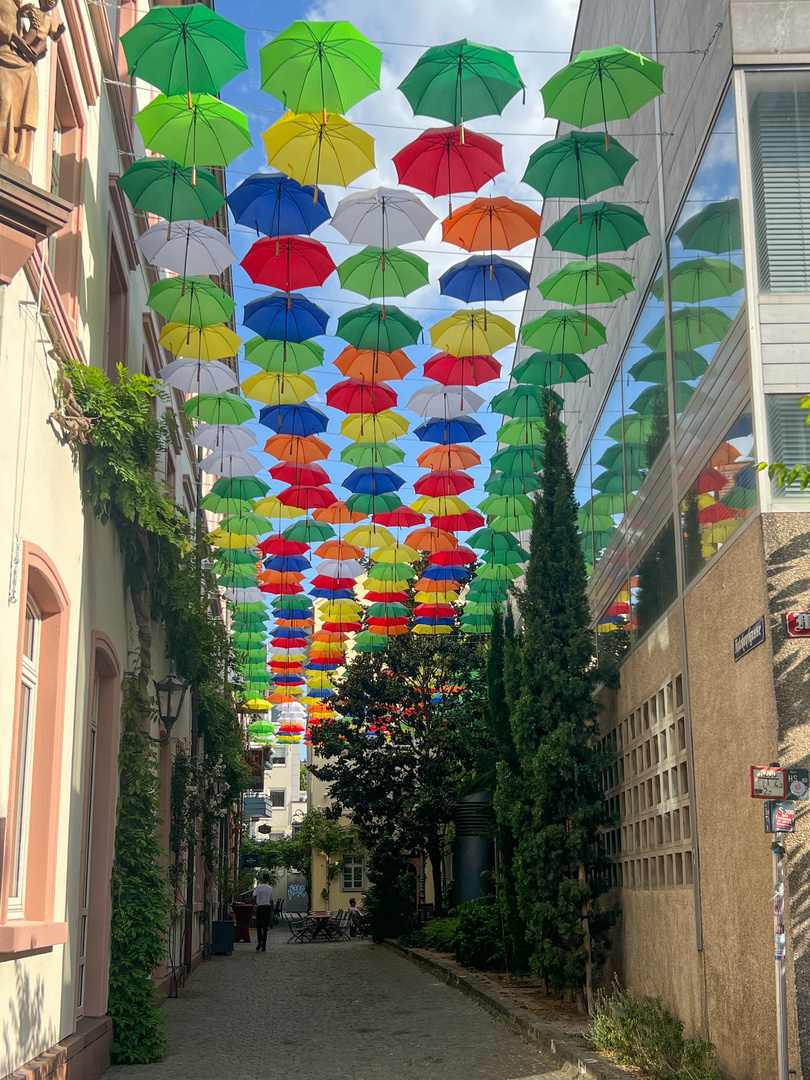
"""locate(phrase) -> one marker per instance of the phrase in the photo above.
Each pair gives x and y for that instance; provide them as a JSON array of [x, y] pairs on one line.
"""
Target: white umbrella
[[186, 247], [384, 217], [230, 463], [198, 376], [225, 437], [444, 401], [245, 596], [345, 568]]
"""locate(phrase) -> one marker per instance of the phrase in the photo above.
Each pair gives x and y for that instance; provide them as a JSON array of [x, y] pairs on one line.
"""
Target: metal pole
[[779, 950]]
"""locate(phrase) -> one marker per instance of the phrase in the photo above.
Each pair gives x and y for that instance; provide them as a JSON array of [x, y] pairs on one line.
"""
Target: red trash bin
[[242, 913]]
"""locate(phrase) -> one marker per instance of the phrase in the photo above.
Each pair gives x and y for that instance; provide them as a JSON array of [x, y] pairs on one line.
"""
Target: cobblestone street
[[339, 1011]]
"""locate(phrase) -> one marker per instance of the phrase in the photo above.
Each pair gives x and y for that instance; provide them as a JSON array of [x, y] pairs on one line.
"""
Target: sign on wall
[[749, 639], [797, 623]]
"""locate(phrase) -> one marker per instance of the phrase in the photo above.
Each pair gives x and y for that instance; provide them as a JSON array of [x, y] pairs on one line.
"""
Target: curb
[[582, 1062]]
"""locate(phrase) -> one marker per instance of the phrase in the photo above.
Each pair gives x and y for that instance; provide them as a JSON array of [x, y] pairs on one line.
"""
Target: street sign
[[797, 623], [250, 861], [768, 782], [780, 816], [798, 784], [749, 639]]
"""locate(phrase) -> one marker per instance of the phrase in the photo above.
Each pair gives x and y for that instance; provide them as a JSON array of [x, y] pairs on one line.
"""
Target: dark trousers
[[263, 913]]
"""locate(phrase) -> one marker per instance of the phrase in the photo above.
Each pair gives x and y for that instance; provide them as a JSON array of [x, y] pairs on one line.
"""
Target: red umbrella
[[359, 396], [434, 611], [321, 581], [286, 665], [460, 556], [279, 545], [289, 589], [462, 370], [286, 643], [439, 163], [437, 484], [385, 597], [402, 517], [288, 262], [710, 480], [306, 498], [343, 627], [458, 522], [397, 620], [714, 513], [310, 475]]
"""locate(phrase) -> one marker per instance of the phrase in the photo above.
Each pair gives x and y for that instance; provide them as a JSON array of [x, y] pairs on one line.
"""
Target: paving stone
[[342, 1010]]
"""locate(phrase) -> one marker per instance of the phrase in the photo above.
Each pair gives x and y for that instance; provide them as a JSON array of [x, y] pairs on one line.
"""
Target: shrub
[[640, 1031], [439, 935], [480, 941]]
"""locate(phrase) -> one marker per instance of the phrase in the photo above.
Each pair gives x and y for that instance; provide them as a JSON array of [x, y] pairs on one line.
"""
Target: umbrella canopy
[[373, 481], [288, 262], [337, 514], [466, 333], [320, 66], [289, 473], [358, 396], [577, 166], [247, 487], [450, 456], [442, 161], [652, 368], [184, 50], [277, 205], [630, 429], [162, 187], [502, 484], [285, 317], [444, 401], [462, 370], [518, 461], [691, 328], [301, 420], [654, 399], [319, 150], [363, 455], [430, 539], [375, 271], [198, 377], [372, 365], [370, 536], [484, 277], [370, 504], [450, 482], [301, 450], [403, 517], [215, 342], [520, 432], [455, 429], [195, 301], [556, 330], [374, 427], [308, 531], [218, 409], [377, 328], [338, 549], [695, 280], [587, 282], [544, 369], [494, 224], [271, 388], [383, 217], [286, 356], [715, 228], [209, 133], [596, 228], [231, 463], [186, 247]]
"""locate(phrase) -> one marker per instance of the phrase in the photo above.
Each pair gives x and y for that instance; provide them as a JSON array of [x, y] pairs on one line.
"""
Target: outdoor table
[[320, 922], [242, 913]]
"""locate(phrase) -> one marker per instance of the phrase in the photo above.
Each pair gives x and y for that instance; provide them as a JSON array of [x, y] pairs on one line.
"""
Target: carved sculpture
[[24, 33]]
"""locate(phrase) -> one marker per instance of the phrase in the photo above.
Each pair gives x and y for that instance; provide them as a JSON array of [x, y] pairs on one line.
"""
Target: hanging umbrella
[[217, 504], [586, 282], [196, 301], [285, 317], [366, 642], [358, 396], [247, 487], [370, 536], [632, 457], [198, 377], [215, 342], [652, 368], [450, 504], [320, 67], [430, 539], [371, 364], [695, 280], [301, 420], [308, 531], [455, 429], [363, 455], [289, 473], [301, 449], [630, 429], [374, 427], [246, 524], [506, 505], [275, 389], [162, 187], [403, 517], [338, 549], [278, 545], [184, 50], [319, 151], [611, 483], [375, 272], [597, 228], [282, 357], [210, 132], [450, 456], [462, 522], [373, 327], [577, 166], [600, 85], [523, 433], [462, 370], [654, 399], [277, 205], [465, 333], [692, 327], [338, 514], [383, 217], [398, 555], [444, 401], [485, 278], [491, 224], [450, 482], [518, 461], [502, 484], [231, 463], [373, 481], [186, 247], [544, 369], [371, 504], [715, 228], [555, 330], [222, 408], [288, 262], [438, 162]]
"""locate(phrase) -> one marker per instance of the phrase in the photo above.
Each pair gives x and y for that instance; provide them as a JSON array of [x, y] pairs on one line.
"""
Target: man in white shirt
[[263, 898]]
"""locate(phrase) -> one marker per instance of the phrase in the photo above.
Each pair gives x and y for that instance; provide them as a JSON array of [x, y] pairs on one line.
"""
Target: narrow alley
[[348, 1011]]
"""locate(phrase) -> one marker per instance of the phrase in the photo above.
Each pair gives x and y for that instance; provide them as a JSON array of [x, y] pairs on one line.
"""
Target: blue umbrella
[[292, 613], [295, 563], [285, 317], [313, 691], [424, 621], [332, 594], [458, 429], [445, 573], [287, 680], [299, 420], [373, 481], [276, 205], [740, 428], [746, 477], [290, 633], [484, 277]]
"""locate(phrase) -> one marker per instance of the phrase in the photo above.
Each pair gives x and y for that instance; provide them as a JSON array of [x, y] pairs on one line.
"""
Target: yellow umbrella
[[368, 428], [258, 705], [472, 332], [395, 555], [216, 342], [720, 531], [276, 388], [285, 657], [232, 541], [312, 151], [421, 629], [385, 586], [370, 535], [442, 504], [435, 597], [270, 507]]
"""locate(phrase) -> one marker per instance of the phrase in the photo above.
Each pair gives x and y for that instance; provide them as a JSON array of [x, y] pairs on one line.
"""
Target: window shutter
[[788, 437]]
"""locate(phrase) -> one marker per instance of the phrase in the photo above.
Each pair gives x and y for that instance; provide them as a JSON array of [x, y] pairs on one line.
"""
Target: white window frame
[[25, 764], [282, 793], [353, 862]]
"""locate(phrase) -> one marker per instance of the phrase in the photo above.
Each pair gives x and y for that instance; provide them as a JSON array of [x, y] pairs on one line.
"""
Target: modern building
[[696, 555]]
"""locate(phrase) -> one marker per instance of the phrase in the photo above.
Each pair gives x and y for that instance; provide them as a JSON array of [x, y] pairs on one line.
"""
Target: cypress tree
[[557, 802]]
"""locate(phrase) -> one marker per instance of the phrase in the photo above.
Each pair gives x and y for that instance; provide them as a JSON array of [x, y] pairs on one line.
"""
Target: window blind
[[788, 437]]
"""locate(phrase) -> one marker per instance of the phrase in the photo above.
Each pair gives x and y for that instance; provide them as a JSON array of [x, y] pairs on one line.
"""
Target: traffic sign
[[780, 816], [768, 782], [798, 784]]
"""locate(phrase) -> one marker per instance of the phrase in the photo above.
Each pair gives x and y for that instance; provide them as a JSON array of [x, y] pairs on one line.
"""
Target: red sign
[[785, 820], [768, 782], [797, 623]]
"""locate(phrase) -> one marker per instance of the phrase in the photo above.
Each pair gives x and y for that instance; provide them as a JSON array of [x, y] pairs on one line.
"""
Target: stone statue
[[24, 33]]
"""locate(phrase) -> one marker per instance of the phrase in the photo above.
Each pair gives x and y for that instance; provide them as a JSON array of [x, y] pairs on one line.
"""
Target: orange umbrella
[[389, 631], [280, 577], [280, 699], [373, 366], [295, 624], [427, 538], [725, 454], [297, 448], [452, 456], [498, 224], [328, 635], [338, 514], [428, 585], [338, 549]]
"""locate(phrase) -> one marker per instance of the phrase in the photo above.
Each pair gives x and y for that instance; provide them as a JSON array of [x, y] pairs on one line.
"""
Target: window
[[788, 438], [24, 756], [67, 169], [117, 312], [352, 872], [84, 885], [278, 799], [279, 755], [654, 586], [171, 475]]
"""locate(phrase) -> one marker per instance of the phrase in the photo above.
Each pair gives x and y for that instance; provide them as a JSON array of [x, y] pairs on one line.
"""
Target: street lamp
[[170, 693]]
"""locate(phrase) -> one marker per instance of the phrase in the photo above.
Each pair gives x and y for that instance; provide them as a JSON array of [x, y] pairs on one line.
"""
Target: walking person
[[263, 898]]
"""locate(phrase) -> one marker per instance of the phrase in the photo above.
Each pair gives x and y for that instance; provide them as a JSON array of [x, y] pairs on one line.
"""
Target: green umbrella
[[221, 504], [308, 531], [589, 521], [654, 398], [587, 282], [388, 611], [320, 67], [284, 357], [505, 557], [195, 301], [545, 369], [505, 505], [600, 85], [246, 525], [596, 228], [240, 487], [596, 540], [610, 482], [160, 186], [631, 429], [235, 580], [498, 572], [492, 590], [218, 409], [372, 455], [526, 402], [184, 50], [518, 461], [476, 624], [576, 166], [252, 622], [605, 503], [503, 484], [366, 642], [486, 608], [374, 504], [378, 328], [523, 433], [739, 498], [208, 133], [233, 557], [292, 603], [701, 279], [222, 569], [556, 329], [250, 607], [631, 457], [512, 523], [652, 368], [387, 572], [486, 540], [691, 328], [715, 228], [461, 81], [374, 272]]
